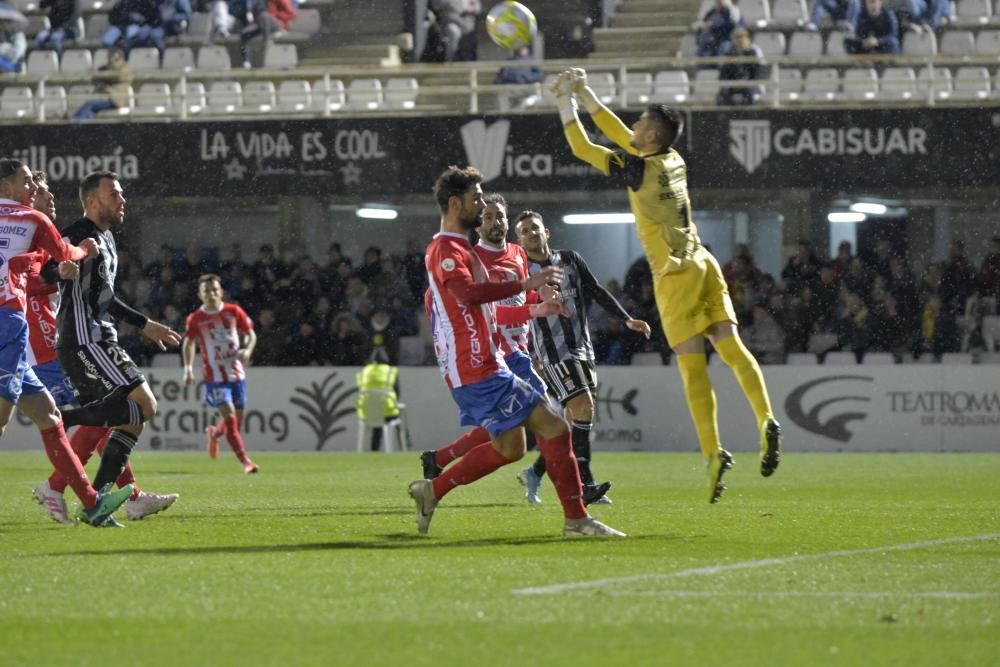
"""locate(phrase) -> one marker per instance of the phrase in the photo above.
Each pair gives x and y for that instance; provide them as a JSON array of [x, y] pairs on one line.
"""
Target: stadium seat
[[17, 102], [225, 97], [898, 83], [878, 359], [294, 95], [989, 358], [671, 86], [364, 94], [178, 59], [957, 358], [647, 359], [306, 22], [805, 44], [688, 47], [328, 95], [788, 14], [995, 18], [859, 84], [214, 59], [840, 358], [971, 83], [835, 45], [281, 56], [705, 87], [922, 360], [97, 25], [190, 95], [957, 43], [54, 103], [393, 430], [144, 59], [940, 86], [42, 63], [76, 61], [988, 43], [771, 43], [200, 26], [401, 93], [790, 84], [971, 13], [603, 84], [548, 99], [100, 58], [756, 13], [36, 24], [259, 96], [821, 85], [638, 88], [153, 99], [412, 351], [919, 44], [801, 359], [79, 94], [93, 6]]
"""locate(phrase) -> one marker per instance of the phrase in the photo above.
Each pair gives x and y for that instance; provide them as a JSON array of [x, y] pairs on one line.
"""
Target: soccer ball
[[511, 25]]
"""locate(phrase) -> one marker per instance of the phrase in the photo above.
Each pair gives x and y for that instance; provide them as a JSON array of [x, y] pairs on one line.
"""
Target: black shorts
[[97, 369], [570, 378]]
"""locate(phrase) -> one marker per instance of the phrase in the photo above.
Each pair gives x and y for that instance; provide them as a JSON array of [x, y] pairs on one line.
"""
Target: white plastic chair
[[178, 59], [603, 83], [144, 59], [214, 59], [898, 83], [671, 86], [401, 93], [225, 97], [878, 359], [821, 85], [42, 63], [153, 98], [805, 44], [971, 13], [941, 86], [638, 88], [393, 430], [294, 95], [786, 14], [17, 102], [971, 83], [957, 43], [705, 87], [54, 102], [364, 94], [919, 44], [860, 84], [281, 56], [259, 96], [328, 95], [840, 358], [771, 43], [76, 61], [801, 359]]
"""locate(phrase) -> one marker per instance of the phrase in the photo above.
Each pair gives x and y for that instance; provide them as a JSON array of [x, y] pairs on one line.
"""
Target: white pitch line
[[744, 565], [943, 595]]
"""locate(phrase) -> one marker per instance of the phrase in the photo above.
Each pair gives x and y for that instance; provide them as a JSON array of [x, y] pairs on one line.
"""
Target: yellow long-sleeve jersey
[[657, 191]]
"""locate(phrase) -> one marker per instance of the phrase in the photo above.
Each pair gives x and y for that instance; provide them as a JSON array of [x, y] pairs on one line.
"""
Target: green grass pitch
[[839, 559]]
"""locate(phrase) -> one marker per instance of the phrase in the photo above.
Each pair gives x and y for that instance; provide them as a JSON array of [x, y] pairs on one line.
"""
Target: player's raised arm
[[605, 119]]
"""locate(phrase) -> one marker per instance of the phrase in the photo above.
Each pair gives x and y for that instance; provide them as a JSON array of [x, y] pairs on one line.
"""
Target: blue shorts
[[52, 376], [520, 365], [499, 403], [218, 394], [16, 376]]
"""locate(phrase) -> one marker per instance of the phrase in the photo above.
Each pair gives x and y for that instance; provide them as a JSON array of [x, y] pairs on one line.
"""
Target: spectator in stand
[[716, 27], [269, 18], [842, 262], [903, 289], [371, 266], [228, 16], [192, 265], [271, 341], [939, 332], [413, 267], [764, 337], [13, 47], [175, 16], [989, 272], [958, 281], [387, 283], [852, 326], [404, 317], [878, 265], [131, 21], [346, 345], [742, 279], [164, 260], [524, 69], [458, 21], [876, 31], [265, 269], [928, 15], [842, 14], [827, 292], [114, 79], [304, 347], [742, 47], [356, 295], [611, 346], [63, 17], [802, 269], [888, 329], [638, 275]]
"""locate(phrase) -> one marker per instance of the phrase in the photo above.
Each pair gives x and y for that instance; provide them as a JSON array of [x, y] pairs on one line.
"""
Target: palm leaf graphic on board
[[321, 404]]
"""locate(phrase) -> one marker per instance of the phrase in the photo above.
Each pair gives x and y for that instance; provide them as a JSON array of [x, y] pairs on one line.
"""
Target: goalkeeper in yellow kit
[[691, 294]]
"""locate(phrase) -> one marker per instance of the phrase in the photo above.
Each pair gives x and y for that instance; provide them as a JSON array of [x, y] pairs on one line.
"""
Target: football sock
[[539, 465], [478, 462], [461, 446], [581, 450], [127, 476], [84, 441], [112, 410], [701, 400], [732, 351], [58, 449], [233, 437], [115, 457], [563, 471]]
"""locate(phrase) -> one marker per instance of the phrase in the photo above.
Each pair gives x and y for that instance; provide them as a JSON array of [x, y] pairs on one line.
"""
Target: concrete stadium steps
[[645, 28], [357, 33], [383, 54]]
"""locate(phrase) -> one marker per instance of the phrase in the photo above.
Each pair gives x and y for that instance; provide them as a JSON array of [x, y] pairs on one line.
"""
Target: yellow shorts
[[692, 300]]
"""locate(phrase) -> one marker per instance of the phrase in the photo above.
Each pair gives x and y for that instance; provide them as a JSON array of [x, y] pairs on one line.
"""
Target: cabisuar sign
[[903, 148]]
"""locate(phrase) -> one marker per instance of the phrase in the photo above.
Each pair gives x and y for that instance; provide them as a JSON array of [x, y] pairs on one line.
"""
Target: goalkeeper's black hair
[[670, 121]]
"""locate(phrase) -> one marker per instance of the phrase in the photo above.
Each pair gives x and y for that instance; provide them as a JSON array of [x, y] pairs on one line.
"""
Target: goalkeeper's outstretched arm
[[596, 156], [605, 119]]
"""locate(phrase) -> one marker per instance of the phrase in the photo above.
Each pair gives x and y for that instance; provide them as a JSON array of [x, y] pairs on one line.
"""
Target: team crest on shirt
[[448, 264]]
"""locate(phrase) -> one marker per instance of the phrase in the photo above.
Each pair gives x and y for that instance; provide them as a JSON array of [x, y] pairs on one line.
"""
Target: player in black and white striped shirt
[[563, 348]]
